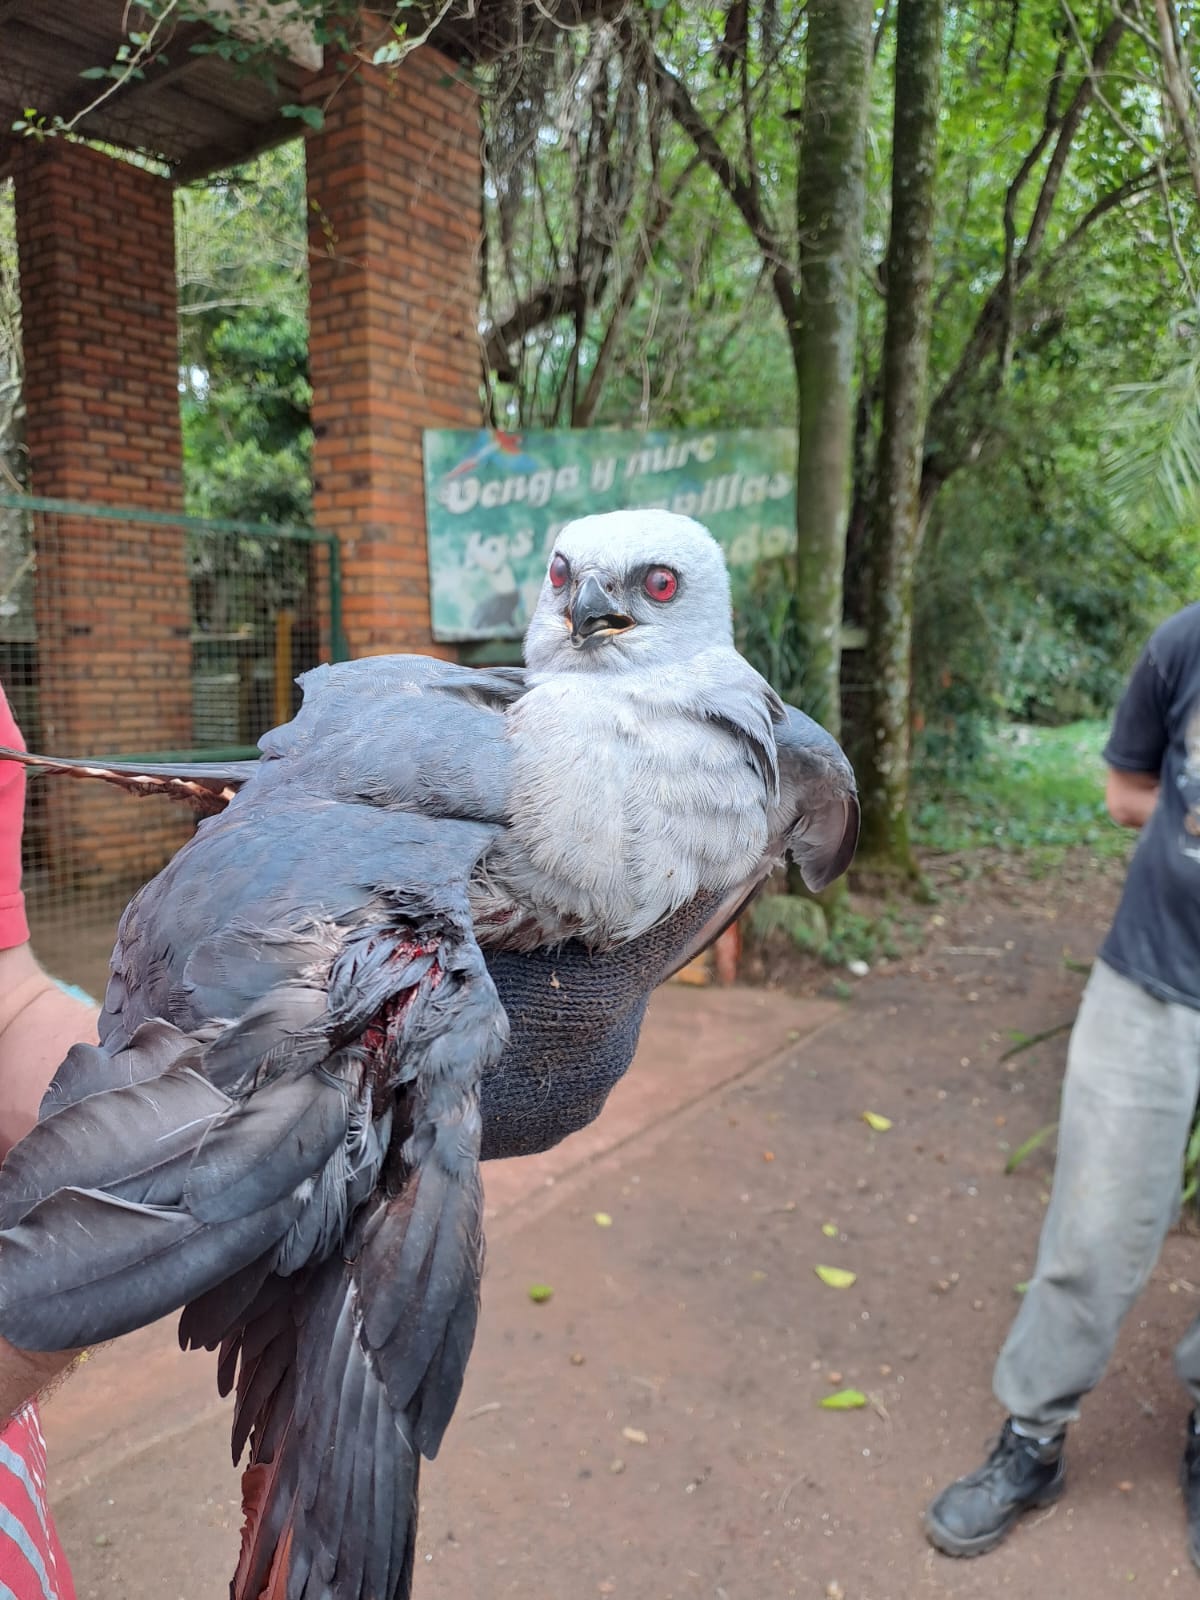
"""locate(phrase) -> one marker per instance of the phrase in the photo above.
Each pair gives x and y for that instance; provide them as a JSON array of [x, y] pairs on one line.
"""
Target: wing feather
[[206, 786]]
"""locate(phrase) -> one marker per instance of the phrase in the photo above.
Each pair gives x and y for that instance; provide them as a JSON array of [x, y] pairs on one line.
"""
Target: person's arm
[[38, 1025], [1131, 797], [1137, 744]]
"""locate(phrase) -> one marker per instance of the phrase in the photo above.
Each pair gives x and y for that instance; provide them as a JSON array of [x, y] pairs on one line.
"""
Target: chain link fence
[[132, 633]]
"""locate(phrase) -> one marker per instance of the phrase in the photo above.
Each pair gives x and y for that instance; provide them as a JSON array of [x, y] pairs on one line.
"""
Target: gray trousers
[[1133, 1072]]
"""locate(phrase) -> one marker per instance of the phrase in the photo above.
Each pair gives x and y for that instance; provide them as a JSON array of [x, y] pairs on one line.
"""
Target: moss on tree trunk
[[830, 204]]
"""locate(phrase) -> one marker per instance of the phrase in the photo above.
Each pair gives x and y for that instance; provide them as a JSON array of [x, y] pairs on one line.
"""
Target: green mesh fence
[[138, 634]]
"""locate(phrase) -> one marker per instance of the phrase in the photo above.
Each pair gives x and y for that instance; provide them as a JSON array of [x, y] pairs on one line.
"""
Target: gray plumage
[[419, 933]]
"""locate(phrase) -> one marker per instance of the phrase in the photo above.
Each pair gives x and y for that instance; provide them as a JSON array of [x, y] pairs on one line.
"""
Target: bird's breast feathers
[[625, 807]]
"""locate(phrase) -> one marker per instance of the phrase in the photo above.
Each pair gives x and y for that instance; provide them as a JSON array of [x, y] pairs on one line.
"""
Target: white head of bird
[[626, 587]]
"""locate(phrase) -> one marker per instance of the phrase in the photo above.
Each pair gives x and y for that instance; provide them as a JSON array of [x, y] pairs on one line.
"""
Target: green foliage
[[247, 433], [1191, 1166], [767, 629], [1033, 792], [836, 941], [245, 396], [802, 921], [1032, 600], [1034, 1142], [245, 392], [1152, 461]]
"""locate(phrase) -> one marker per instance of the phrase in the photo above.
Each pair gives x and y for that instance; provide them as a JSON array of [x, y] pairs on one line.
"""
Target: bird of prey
[[418, 933]]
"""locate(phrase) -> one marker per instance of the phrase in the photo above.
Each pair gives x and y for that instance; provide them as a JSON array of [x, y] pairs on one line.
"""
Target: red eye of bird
[[660, 584], [559, 572]]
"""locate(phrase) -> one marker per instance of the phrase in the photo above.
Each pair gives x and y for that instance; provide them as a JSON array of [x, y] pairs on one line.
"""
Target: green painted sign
[[494, 503]]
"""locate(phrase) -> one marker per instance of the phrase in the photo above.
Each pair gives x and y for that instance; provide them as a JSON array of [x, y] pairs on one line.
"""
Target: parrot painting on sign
[[491, 443], [419, 933]]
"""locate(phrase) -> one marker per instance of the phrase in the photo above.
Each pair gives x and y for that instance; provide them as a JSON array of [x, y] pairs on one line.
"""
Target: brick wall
[[97, 271], [394, 207]]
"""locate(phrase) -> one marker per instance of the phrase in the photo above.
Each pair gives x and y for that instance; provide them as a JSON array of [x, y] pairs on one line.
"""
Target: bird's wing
[[284, 1110], [347, 1372], [723, 688], [208, 786], [815, 821], [818, 813], [208, 1130], [341, 742], [304, 1178]]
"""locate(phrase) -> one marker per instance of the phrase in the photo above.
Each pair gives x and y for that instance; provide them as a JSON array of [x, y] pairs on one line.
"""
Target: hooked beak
[[592, 615]]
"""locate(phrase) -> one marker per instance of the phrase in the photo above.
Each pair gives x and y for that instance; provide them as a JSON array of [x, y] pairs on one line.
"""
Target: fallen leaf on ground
[[836, 1277], [844, 1400], [635, 1436], [876, 1122]]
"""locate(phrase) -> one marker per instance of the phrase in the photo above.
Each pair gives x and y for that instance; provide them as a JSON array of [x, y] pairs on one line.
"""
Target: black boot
[[976, 1512], [1189, 1477]]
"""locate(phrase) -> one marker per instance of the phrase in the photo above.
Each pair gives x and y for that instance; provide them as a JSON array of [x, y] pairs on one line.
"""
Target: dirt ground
[[653, 1431]]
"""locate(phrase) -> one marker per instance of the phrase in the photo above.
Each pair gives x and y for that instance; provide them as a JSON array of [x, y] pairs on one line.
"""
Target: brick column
[[394, 208], [96, 250]]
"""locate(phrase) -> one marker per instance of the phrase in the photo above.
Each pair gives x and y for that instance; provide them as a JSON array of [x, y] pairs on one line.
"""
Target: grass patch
[[1034, 792], [1032, 795]]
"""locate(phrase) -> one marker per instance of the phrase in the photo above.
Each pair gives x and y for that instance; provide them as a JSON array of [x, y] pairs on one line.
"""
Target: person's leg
[[1133, 1070]]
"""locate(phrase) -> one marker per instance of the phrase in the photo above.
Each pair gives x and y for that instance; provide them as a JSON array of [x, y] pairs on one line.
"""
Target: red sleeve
[[32, 1563], [14, 929]]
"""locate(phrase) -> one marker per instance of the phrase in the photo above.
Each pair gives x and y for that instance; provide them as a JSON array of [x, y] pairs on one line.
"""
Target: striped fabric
[[32, 1564]]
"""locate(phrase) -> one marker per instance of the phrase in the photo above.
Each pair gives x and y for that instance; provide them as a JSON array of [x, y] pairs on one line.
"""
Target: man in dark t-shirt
[[1133, 1075]]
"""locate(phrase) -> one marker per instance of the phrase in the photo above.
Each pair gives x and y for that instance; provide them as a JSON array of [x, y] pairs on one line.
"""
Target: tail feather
[[330, 1492], [265, 1555]]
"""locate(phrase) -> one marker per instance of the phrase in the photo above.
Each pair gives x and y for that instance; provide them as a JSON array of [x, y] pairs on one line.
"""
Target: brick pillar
[[96, 251], [394, 208]]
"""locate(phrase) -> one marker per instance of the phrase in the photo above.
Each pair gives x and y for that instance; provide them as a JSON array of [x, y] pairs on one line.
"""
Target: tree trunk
[[895, 522], [830, 205]]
